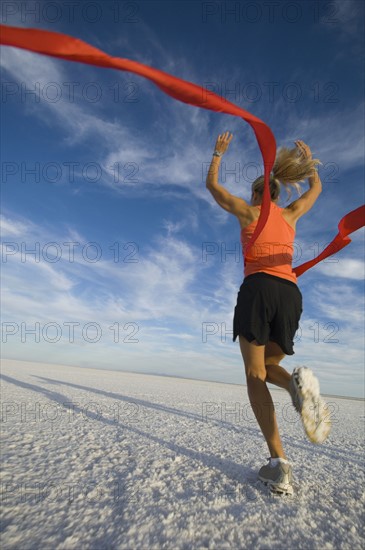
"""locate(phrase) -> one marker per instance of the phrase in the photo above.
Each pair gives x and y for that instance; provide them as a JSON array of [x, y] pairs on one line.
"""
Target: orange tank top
[[272, 252]]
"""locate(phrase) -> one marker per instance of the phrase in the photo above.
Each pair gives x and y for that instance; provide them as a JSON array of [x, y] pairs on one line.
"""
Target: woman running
[[269, 302]]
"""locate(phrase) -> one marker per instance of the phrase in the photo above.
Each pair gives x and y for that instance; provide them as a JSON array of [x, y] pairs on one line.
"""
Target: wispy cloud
[[173, 227], [349, 269], [344, 19], [337, 139], [12, 228]]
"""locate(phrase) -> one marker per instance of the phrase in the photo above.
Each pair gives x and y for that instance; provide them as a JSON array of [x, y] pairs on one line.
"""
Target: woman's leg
[[276, 374], [259, 395]]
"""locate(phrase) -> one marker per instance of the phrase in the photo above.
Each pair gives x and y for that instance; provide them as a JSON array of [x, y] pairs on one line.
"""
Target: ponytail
[[289, 169]]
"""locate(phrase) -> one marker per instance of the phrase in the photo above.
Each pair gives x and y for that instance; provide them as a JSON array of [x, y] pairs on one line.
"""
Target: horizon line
[[172, 376]]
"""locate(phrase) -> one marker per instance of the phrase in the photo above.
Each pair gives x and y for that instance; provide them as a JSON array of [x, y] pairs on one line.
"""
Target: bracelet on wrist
[[217, 154]]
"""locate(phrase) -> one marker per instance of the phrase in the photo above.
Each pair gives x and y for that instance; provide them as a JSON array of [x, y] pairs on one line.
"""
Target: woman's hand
[[306, 154], [222, 142], [303, 150]]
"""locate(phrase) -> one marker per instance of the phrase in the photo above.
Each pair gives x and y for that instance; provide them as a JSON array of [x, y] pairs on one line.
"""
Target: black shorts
[[268, 308]]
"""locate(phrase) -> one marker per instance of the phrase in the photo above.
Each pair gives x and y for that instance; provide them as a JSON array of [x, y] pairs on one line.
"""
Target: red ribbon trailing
[[353, 221], [72, 49]]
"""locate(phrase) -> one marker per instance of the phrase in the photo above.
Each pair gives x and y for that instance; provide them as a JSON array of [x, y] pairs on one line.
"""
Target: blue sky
[[135, 267]]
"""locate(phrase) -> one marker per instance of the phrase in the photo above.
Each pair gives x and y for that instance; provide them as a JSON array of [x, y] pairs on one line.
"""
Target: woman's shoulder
[[251, 214]]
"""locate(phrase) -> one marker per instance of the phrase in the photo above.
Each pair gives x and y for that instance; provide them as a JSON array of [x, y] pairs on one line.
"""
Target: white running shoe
[[304, 391], [278, 478]]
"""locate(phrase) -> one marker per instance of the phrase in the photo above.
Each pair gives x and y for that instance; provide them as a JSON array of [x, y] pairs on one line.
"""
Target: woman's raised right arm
[[302, 205]]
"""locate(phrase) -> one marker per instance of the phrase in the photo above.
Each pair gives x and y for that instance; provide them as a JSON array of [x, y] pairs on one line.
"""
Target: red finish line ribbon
[[350, 223], [66, 47]]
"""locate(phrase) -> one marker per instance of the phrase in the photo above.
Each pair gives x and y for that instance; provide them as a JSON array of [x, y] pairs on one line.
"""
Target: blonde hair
[[289, 169]]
